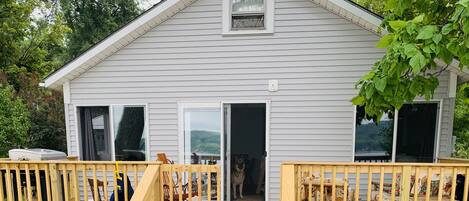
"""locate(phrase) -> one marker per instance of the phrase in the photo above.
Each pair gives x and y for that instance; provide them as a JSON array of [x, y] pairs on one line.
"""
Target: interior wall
[[248, 129]]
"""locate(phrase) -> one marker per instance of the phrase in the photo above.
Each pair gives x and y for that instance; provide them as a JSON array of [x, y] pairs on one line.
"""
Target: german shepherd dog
[[238, 174]]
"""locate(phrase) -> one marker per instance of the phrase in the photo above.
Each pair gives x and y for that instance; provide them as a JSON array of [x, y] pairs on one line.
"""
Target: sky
[[204, 119]]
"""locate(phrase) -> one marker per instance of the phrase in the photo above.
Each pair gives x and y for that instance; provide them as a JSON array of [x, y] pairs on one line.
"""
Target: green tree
[[47, 123], [418, 32], [14, 121], [461, 122], [376, 6], [32, 43], [93, 20]]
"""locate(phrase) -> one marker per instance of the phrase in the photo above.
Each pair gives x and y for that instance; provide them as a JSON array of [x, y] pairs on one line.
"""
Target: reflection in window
[[95, 133], [202, 135], [247, 14], [129, 128], [373, 142]]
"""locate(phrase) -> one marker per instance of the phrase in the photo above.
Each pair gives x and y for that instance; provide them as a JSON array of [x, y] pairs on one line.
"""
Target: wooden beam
[[148, 189]]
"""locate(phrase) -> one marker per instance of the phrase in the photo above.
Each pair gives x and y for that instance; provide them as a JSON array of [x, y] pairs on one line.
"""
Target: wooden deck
[[300, 181], [374, 181], [102, 180]]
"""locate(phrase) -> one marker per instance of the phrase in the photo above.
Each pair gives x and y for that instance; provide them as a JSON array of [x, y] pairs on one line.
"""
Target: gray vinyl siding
[[315, 55]]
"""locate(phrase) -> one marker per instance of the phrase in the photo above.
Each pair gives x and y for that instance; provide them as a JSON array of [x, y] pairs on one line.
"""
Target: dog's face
[[239, 162]]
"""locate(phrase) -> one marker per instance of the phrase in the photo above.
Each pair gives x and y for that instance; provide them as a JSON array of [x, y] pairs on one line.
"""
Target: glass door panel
[[202, 130], [416, 132], [202, 135]]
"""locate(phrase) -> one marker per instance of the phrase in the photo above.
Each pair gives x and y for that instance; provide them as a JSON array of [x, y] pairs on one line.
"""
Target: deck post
[[405, 183], [149, 188], [288, 185], [56, 182]]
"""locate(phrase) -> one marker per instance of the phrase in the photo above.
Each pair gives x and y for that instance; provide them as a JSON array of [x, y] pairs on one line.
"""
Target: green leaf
[[445, 55], [447, 29], [380, 84], [426, 32], [417, 62], [385, 41], [457, 13], [414, 87], [465, 28], [397, 24], [437, 38], [427, 49], [464, 3], [370, 90], [368, 76], [358, 100], [391, 4], [453, 47], [466, 42], [410, 50], [418, 19]]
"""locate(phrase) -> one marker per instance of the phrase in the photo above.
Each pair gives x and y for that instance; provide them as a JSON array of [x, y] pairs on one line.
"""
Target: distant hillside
[[205, 142]]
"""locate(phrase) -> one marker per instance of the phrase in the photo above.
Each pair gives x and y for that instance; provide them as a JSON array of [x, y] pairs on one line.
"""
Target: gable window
[[123, 124], [407, 135], [248, 16]]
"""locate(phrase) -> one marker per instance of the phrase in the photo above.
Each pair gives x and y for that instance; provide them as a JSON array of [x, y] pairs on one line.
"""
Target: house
[[207, 81]]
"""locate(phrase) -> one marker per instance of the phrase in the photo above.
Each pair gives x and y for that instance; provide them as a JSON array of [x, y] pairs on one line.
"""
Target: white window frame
[[111, 126], [436, 151], [269, 10]]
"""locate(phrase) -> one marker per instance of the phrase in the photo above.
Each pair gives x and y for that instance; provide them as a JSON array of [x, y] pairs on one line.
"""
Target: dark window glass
[[247, 22], [95, 133], [129, 128], [416, 131]]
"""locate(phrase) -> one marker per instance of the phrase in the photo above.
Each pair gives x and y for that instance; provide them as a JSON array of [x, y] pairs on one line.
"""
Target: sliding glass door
[[416, 132], [200, 129], [407, 135]]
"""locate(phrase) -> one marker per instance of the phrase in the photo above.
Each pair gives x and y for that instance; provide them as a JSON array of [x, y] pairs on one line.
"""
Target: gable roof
[[166, 9]]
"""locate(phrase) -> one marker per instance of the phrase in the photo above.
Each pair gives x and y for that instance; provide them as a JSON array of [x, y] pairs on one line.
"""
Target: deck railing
[[69, 180], [106, 180], [179, 183], [374, 181]]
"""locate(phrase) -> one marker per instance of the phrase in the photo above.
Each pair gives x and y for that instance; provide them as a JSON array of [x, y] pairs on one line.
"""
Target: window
[[373, 141], [248, 16], [414, 140], [95, 135], [202, 134], [128, 130]]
